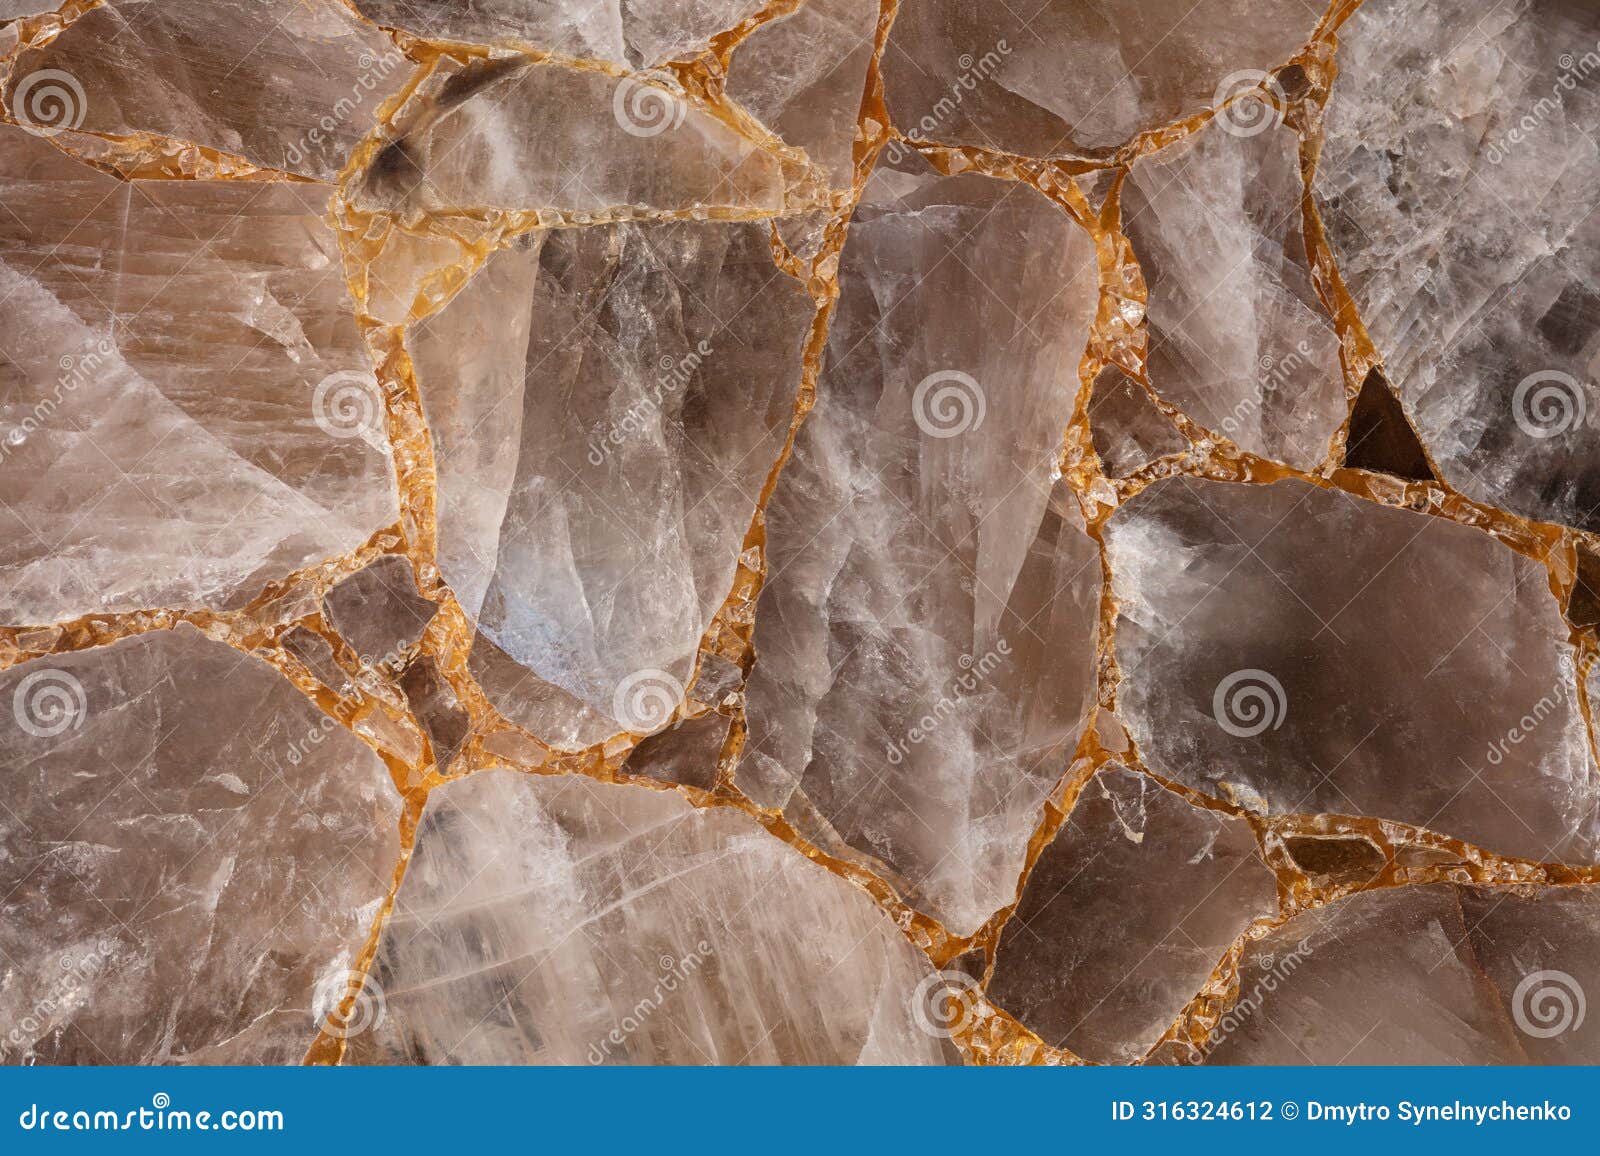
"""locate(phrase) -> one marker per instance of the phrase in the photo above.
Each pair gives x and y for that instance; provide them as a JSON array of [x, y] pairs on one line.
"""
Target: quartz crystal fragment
[[1383, 977], [1423, 975], [1459, 179], [189, 851], [804, 76], [510, 134], [1129, 431], [1238, 339], [925, 640], [188, 411], [606, 404], [203, 70], [1077, 74], [563, 921], [378, 611], [1125, 915], [1294, 649], [638, 33]]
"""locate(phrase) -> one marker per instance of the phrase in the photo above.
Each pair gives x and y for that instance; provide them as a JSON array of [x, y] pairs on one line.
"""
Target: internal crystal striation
[[825, 531]]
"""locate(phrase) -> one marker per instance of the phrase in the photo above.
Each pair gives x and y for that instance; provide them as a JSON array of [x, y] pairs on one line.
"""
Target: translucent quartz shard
[[1238, 339], [1540, 946], [1295, 649], [640, 33], [436, 708], [203, 71], [1129, 431], [1424, 975], [1459, 180], [804, 77], [606, 404], [1383, 977], [378, 611], [509, 134], [925, 639], [1124, 916], [557, 920], [188, 849], [1076, 74], [687, 753], [188, 411]]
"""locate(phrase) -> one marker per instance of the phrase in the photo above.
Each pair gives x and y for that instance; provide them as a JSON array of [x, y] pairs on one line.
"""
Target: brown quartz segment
[[1129, 431], [378, 611], [190, 842], [1297, 650], [510, 134], [204, 320], [804, 76], [540, 913], [641, 380], [1458, 180], [1423, 975], [1125, 914], [1077, 74], [201, 71], [1238, 339], [926, 639], [1383, 977]]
